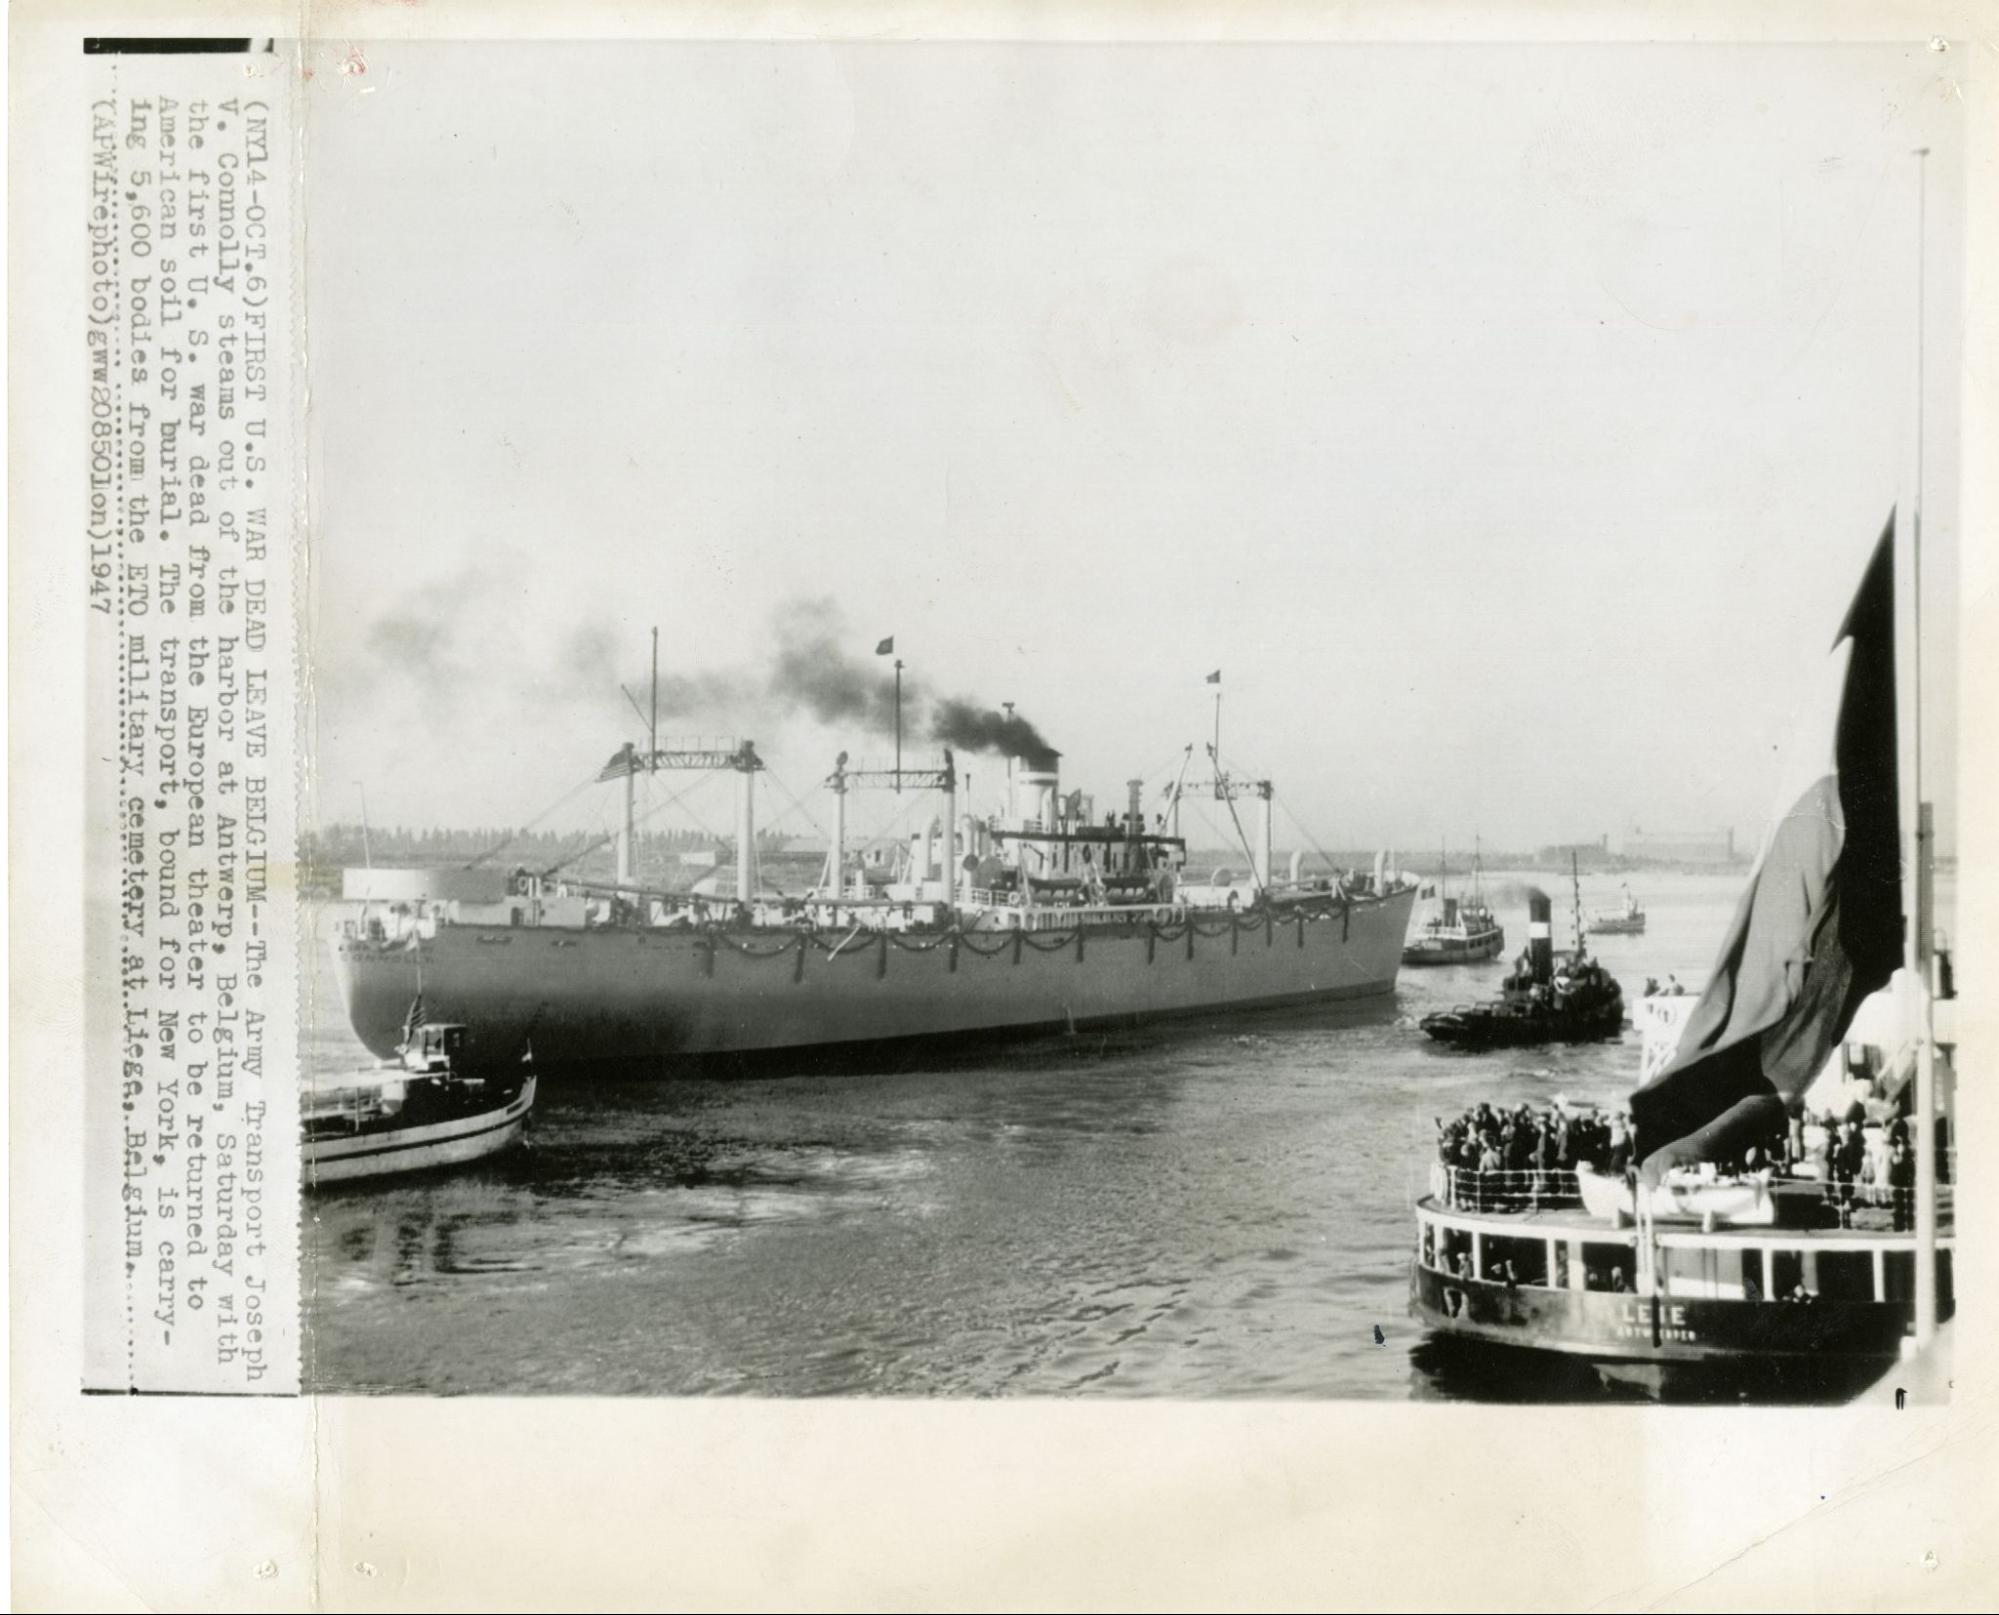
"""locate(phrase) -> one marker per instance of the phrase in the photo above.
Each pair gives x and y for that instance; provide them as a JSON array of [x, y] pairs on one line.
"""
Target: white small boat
[[412, 1114], [1627, 920], [1737, 1202]]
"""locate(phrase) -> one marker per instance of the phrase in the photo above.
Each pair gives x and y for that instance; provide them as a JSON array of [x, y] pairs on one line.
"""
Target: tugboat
[[1757, 1228], [414, 1113], [1546, 1000], [1626, 921], [1464, 933]]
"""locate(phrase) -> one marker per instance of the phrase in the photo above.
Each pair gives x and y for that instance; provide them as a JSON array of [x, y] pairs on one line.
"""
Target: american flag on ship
[[625, 760]]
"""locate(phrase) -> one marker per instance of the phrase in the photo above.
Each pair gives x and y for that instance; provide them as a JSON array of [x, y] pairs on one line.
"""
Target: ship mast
[[1918, 896], [628, 841], [1179, 786]]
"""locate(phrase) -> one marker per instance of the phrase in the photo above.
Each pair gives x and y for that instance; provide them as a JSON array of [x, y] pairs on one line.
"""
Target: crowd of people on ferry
[[1501, 1157], [1861, 1162]]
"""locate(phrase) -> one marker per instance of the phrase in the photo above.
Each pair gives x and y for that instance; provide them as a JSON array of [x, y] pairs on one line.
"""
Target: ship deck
[[1549, 1205]]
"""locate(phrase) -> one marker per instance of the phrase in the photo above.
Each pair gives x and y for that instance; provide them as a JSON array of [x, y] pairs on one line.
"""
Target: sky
[[1508, 424]]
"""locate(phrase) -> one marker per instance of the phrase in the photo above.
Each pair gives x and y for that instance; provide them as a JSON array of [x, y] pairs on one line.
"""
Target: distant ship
[[1629, 920], [1044, 917], [1464, 932]]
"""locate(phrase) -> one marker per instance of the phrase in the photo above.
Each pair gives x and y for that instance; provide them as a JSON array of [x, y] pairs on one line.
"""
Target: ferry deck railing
[[1468, 1189]]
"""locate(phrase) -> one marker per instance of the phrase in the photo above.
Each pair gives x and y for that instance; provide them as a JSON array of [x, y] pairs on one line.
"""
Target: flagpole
[[1919, 936], [898, 724], [629, 759]]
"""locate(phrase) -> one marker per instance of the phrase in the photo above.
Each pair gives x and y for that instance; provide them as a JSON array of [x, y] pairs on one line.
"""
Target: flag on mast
[[625, 760], [886, 647], [1215, 677], [1819, 927]]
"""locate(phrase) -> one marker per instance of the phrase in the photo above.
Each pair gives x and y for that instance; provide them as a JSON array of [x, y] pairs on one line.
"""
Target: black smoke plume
[[811, 671], [974, 728]]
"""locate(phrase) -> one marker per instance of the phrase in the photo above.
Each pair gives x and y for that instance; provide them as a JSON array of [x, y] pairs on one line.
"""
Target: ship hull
[[1473, 1030], [1676, 1347], [660, 1000]]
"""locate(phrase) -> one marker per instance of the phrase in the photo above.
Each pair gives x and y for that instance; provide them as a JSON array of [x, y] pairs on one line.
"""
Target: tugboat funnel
[[1540, 936]]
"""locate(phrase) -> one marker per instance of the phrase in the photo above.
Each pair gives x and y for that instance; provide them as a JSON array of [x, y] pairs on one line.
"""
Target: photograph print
[[1051, 720]]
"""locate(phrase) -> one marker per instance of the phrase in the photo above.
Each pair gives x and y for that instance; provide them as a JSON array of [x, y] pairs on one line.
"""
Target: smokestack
[[1540, 936], [1134, 813], [1036, 794]]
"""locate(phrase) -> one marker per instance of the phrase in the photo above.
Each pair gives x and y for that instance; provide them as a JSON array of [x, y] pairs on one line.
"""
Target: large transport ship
[[1042, 918]]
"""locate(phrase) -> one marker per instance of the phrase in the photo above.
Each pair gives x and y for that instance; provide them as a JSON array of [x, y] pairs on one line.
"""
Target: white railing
[[1467, 1189], [1006, 913]]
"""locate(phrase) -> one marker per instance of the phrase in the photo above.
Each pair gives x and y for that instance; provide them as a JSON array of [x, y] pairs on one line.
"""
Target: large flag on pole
[[886, 647], [1820, 926], [1215, 677]]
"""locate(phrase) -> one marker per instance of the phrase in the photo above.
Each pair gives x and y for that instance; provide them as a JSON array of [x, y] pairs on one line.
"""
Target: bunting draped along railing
[[1072, 938]]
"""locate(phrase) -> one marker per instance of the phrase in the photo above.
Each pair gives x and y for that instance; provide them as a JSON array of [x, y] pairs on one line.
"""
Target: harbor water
[[1215, 1208]]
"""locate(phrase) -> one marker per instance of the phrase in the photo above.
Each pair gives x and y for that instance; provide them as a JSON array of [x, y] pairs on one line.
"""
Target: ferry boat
[[1775, 1283], [415, 1114], [1626, 920], [1570, 999], [1729, 1244], [1464, 932], [1044, 917]]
